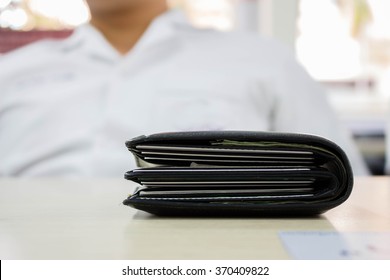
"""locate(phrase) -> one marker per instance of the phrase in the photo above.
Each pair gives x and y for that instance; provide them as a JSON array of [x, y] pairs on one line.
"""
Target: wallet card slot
[[225, 175], [285, 154], [233, 191], [225, 161], [222, 156], [319, 188], [227, 186], [223, 184], [223, 150], [223, 180], [200, 168], [231, 198]]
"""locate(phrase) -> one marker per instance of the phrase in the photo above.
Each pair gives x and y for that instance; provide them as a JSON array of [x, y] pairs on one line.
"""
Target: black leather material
[[238, 173]]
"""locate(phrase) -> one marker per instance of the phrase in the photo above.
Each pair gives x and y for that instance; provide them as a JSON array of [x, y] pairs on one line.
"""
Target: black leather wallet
[[238, 173]]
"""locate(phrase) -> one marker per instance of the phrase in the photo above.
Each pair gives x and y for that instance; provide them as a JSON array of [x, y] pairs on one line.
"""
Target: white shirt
[[67, 107]]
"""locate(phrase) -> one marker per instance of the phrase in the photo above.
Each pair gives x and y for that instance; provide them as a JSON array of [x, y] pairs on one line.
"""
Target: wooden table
[[85, 219]]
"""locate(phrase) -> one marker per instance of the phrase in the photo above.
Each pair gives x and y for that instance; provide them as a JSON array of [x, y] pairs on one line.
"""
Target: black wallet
[[238, 173]]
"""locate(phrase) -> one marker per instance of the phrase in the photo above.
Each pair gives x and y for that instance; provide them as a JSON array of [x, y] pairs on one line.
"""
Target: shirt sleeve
[[302, 106]]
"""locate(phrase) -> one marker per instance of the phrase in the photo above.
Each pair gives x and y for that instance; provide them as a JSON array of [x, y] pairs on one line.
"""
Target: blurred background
[[343, 44]]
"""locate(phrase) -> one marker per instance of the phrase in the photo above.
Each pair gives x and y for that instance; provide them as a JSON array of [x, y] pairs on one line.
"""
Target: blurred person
[[67, 107]]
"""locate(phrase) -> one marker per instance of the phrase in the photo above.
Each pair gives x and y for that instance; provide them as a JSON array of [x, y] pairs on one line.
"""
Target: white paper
[[325, 245]]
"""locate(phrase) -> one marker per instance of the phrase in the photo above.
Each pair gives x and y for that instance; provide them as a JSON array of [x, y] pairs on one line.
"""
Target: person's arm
[[302, 106]]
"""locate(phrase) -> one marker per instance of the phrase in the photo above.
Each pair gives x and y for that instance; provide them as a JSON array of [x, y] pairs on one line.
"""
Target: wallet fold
[[237, 173]]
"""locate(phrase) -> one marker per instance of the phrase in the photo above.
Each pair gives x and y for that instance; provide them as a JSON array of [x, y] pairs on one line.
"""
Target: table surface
[[85, 219]]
